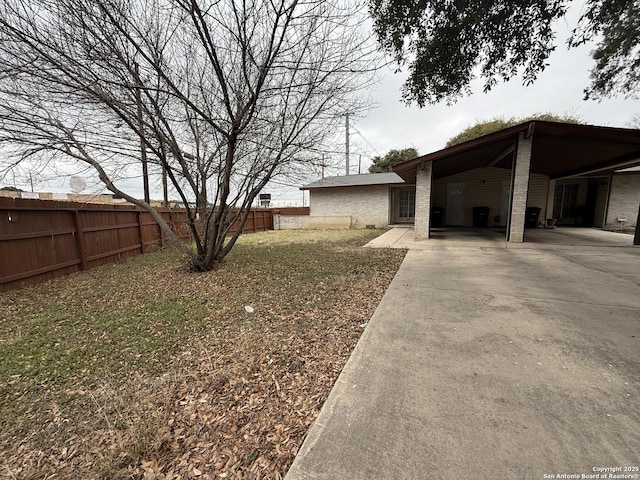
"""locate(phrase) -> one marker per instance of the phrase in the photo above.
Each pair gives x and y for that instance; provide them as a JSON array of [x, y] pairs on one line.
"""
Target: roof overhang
[[333, 187], [356, 181], [559, 150]]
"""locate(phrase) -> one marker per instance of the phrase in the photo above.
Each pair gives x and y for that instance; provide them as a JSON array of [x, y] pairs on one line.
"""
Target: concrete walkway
[[490, 363]]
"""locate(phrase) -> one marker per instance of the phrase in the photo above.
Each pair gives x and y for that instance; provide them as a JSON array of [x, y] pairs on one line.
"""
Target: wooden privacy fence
[[259, 220], [292, 211], [41, 240]]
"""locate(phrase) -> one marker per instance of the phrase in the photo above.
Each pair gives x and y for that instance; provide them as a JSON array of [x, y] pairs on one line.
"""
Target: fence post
[[141, 230], [80, 240], [161, 234]]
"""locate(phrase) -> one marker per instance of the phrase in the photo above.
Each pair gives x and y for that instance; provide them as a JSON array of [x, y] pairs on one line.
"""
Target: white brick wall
[[424, 185], [483, 187], [307, 222], [623, 200], [366, 205], [520, 189], [537, 195]]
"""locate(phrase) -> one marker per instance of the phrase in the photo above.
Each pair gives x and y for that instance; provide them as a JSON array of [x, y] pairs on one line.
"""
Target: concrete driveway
[[490, 363]]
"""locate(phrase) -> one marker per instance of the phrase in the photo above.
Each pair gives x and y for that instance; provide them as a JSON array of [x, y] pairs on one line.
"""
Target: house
[[521, 176], [355, 201]]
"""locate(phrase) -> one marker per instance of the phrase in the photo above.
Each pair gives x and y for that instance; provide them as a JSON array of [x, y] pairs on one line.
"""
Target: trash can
[[532, 217], [480, 217], [437, 217]]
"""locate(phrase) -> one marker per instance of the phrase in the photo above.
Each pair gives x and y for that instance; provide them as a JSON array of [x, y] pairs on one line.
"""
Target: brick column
[[423, 201], [520, 189]]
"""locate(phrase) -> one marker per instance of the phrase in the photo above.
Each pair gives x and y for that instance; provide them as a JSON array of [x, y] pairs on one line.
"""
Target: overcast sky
[[393, 124], [558, 90]]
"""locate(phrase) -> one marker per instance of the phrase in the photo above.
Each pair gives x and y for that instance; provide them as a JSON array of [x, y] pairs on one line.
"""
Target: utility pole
[[143, 147], [359, 163], [165, 187], [347, 142], [322, 165]]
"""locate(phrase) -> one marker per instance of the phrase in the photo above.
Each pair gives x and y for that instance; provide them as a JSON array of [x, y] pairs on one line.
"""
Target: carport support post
[[520, 189], [424, 181]]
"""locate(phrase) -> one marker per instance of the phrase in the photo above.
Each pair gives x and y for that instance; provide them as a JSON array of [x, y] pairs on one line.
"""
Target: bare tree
[[222, 95]]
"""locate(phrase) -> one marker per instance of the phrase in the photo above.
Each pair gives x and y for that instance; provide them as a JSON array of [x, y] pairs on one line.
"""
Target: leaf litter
[[171, 377]]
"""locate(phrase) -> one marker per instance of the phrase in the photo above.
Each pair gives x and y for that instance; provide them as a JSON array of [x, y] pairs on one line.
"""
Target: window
[[407, 203], [566, 198]]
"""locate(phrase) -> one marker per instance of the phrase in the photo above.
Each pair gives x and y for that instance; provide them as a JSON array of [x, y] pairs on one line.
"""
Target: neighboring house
[[579, 174], [358, 201]]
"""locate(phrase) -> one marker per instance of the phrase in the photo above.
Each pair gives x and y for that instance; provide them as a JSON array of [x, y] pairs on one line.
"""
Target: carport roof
[[559, 150]]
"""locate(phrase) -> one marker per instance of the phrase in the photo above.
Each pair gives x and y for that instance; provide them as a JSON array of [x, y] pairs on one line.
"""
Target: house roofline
[[531, 126], [328, 187]]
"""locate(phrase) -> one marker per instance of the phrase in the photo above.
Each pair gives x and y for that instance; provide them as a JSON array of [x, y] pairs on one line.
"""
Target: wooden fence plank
[[113, 253], [24, 236], [79, 234], [140, 225], [112, 227], [39, 271]]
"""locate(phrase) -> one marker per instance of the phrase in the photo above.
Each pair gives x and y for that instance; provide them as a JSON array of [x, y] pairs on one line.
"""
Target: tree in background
[[393, 157], [222, 96], [489, 126], [444, 42]]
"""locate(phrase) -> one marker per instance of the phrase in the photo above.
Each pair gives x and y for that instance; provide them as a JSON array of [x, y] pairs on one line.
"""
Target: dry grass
[[142, 370]]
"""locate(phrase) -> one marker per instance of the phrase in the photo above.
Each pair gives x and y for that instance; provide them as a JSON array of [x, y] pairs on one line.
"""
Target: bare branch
[[222, 95]]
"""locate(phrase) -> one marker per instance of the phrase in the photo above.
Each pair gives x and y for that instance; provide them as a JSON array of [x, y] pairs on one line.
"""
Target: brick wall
[[520, 189], [365, 205], [483, 188], [623, 200], [424, 184], [307, 222]]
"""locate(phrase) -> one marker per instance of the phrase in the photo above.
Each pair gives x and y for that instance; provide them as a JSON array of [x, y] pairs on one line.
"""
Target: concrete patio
[[403, 237]]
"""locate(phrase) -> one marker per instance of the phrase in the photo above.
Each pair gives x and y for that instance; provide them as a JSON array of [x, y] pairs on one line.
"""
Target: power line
[[366, 141]]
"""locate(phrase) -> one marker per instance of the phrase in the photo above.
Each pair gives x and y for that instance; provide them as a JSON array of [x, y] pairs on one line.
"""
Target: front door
[[405, 205], [455, 204]]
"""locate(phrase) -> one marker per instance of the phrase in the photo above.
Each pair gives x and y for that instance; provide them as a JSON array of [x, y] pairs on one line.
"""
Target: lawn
[[143, 370]]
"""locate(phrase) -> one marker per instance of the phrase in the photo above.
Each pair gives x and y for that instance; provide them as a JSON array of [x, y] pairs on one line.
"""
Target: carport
[[547, 151], [402, 236]]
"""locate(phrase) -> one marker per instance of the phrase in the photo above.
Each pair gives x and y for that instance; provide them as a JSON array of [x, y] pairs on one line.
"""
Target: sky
[[391, 124]]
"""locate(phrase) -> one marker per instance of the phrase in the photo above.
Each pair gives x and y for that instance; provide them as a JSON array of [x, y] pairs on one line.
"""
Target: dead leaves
[[239, 394]]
